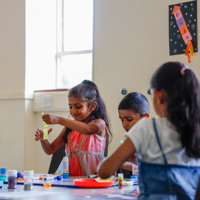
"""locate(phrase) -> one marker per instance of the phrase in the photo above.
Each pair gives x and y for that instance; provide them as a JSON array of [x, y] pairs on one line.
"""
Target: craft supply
[[28, 180], [91, 182], [59, 177], [92, 176], [134, 176], [111, 178], [65, 168], [44, 177], [127, 183], [2, 177], [12, 179], [3, 171], [19, 175], [120, 180], [45, 130], [47, 185]]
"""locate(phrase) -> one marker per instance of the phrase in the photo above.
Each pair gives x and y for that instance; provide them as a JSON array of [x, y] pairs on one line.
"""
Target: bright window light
[[75, 42]]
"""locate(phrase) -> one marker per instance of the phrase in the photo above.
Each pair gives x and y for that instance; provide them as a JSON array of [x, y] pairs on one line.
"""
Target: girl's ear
[[159, 96], [93, 106]]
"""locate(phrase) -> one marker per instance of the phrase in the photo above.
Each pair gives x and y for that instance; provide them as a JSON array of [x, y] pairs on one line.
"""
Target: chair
[[56, 159]]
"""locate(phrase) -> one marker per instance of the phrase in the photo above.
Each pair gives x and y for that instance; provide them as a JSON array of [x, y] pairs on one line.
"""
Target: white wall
[[130, 42]]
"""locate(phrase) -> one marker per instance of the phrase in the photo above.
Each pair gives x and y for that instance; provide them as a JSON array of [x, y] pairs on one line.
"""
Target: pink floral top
[[84, 152]]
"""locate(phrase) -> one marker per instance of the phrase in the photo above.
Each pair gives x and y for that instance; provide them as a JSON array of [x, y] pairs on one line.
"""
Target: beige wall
[[27, 62], [12, 73], [130, 42]]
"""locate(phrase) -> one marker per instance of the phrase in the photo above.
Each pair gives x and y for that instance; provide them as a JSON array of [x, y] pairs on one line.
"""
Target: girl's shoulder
[[158, 121], [145, 126], [97, 121]]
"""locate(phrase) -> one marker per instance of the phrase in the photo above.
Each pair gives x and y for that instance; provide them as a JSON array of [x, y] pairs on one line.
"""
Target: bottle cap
[[65, 175], [28, 173], [12, 172], [120, 175], [134, 176], [3, 171]]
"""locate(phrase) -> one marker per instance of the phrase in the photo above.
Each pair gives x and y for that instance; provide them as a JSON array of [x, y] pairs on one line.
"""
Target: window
[[74, 42]]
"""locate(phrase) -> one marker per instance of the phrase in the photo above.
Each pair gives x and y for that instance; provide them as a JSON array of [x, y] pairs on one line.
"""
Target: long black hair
[[87, 91], [183, 102]]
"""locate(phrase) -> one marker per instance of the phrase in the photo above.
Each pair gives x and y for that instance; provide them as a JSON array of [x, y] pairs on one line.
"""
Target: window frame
[[62, 52]]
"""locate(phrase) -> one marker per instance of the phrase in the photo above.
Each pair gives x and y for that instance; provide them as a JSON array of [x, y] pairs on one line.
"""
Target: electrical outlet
[[47, 103]]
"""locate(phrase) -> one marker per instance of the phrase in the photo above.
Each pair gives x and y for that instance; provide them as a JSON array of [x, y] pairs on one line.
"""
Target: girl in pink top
[[86, 136]]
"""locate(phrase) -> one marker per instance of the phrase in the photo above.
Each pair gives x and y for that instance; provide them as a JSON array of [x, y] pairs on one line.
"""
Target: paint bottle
[[28, 180], [134, 176], [120, 180], [12, 179], [2, 177], [65, 168]]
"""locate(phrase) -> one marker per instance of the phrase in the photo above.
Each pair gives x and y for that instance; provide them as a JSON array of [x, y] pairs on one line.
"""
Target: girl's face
[[128, 118], [79, 109]]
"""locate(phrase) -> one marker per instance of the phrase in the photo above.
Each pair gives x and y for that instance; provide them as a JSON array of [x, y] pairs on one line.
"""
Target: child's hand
[[51, 119], [39, 134], [133, 159]]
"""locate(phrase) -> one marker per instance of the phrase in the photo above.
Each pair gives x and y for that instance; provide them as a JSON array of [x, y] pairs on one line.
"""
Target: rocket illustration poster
[[182, 27]]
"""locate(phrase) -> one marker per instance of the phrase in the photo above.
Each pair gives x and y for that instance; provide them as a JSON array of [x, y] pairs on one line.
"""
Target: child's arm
[[127, 165], [116, 159], [50, 148], [96, 127]]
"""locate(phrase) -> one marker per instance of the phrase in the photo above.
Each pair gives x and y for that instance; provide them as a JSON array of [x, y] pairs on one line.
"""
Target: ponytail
[[183, 99]]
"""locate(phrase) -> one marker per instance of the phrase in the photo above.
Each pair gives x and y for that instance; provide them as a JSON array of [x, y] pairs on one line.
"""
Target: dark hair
[[136, 102], [183, 102], [87, 91]]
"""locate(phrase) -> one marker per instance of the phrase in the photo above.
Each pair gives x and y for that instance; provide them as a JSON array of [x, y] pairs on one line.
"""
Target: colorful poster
[[182, 27]]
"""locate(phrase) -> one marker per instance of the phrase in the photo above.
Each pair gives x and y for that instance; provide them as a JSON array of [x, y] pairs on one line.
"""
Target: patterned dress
[[84, 152]]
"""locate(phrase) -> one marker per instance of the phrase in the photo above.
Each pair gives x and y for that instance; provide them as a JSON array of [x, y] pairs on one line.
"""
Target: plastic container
[[134, 176], [92, 182], [65, 168], [3, 171], [12, 179], [120, 180], [28, 180], [2, 177]]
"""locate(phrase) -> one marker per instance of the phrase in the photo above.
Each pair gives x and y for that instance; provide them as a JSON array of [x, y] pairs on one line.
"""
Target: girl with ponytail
[[86, 136], [168, 147]]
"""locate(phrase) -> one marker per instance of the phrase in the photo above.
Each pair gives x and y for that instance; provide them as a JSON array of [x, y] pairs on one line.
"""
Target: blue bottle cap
[[65, 175], [59, 177], [3, 171], [19, 175], [134, 176]]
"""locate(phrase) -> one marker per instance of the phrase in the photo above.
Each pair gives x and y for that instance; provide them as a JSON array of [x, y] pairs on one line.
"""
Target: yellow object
[[104, 180], [45, 130]]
